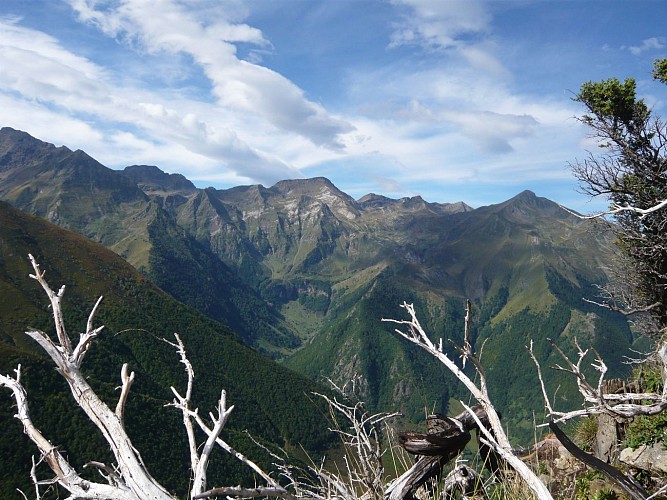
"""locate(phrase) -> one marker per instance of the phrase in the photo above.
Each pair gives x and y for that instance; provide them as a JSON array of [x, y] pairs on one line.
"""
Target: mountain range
[[303, 273]]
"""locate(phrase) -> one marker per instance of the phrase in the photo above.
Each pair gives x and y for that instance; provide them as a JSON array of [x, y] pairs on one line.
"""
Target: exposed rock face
[[647, 457], [606, 439]]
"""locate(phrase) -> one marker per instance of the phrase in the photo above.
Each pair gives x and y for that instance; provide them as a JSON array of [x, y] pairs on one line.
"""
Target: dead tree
[[596, 401], [623, 405], [494, 437], [128, 478]]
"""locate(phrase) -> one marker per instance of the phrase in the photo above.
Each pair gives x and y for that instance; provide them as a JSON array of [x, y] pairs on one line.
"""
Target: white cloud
[[167, 26], [493, 132], [653, 43], [35, 65], [44, 79], [438, 24]]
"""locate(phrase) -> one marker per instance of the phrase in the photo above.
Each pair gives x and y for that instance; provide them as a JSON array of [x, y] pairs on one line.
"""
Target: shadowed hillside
[[272, 403]]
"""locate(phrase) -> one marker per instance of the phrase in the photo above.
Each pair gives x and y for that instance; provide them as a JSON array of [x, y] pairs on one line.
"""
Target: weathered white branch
[[364, 467], [199, 463], [105, 471], [238, 491], [137, 481], [218, 424], [127, 380], [55, 299], [547, 403], [66, 476], [236, 454], [625, 312], [508, 455], [183, 402], [616, 405], [500, 442], [617, 209]]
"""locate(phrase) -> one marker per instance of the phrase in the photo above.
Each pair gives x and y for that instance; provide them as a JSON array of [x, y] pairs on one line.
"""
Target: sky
[[451, 100]]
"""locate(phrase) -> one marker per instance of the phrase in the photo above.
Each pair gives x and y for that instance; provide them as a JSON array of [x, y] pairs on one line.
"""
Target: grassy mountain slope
[[272, 403], [526, 264], [74, 191], [321, 265]]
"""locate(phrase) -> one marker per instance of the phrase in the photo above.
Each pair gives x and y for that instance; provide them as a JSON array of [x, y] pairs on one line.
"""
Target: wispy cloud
[[436, 24], [493, 132], [46, 79], [166, 26], [653, 43]]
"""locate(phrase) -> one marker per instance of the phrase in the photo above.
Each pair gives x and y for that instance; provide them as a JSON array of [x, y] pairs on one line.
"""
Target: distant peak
[[311, 186], [529, 197], [144, 169], [528, 201], [526, 194], [290, 184], [373, 198], [150, 177]]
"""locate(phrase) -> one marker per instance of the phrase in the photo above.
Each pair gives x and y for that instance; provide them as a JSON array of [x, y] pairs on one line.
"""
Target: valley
[[304, 273]]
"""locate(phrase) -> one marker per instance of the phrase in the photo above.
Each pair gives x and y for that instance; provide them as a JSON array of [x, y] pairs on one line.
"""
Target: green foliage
[[660, 70], [646, 429], [585, 432], [397, 375], [582, 490], [318, 303], [612, 99], [605, 494]]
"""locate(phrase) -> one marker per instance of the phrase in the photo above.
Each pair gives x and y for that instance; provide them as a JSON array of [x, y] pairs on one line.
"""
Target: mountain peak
[[18, 148], [321, 189], [151, 178], [308, 184], [529, 198], [526, 194], [374, 200], [525, 206]]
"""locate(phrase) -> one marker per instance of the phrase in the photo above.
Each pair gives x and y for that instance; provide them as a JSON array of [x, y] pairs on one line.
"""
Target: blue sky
[[452, 100]]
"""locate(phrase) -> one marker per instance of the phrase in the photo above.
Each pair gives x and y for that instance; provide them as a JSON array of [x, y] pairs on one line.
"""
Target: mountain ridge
[[308, 266]]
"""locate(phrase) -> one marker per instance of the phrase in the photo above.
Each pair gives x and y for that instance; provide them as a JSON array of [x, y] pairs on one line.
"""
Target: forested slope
[[274, 404]]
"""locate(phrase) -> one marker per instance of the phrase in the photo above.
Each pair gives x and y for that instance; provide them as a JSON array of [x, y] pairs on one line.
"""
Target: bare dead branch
[[135, 481], [626, 312], [183, 402], [242, 492], [622, 405], [66, 476], [498, 439], [617, 209], [55, 299], [126, 380]]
